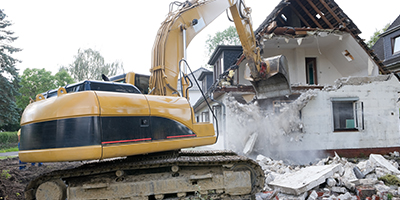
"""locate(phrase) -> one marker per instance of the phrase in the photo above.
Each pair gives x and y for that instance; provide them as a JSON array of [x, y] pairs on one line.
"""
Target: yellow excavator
[[131, 141]]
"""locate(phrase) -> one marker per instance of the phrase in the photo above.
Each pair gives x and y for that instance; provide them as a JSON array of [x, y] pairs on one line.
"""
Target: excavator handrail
[[204, 96]]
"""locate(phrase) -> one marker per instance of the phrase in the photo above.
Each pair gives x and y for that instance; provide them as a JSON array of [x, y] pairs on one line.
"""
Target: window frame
[[315, 75], [395, 40], [357, 114]]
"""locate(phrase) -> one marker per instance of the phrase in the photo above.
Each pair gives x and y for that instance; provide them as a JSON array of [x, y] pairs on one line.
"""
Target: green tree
[[9, 80], [35, 81], [89, 64], [62, 78], [372, 40], [228, 36]]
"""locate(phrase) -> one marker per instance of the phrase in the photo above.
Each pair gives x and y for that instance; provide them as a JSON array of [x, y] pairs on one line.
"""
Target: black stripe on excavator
[[146, 128], [71, 132], [85, 131]]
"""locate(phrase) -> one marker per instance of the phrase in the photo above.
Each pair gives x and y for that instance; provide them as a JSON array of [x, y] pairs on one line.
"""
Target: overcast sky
[[51, 32]]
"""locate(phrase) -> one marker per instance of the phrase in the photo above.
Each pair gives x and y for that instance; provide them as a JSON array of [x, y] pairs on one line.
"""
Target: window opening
[[348, 115], [396, 45], [311, 71], [284, 17]]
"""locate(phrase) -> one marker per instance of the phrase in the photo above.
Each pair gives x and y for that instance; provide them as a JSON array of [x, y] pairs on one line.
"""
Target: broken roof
[[292, 17]]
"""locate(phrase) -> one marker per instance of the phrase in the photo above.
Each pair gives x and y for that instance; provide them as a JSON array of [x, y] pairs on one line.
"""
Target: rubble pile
[[332, 178]]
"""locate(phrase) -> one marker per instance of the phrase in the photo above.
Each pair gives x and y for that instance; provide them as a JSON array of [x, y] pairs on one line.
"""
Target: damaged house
[[333, 95]]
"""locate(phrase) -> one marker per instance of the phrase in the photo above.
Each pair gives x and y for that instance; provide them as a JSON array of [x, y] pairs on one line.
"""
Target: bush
[[8, 137]]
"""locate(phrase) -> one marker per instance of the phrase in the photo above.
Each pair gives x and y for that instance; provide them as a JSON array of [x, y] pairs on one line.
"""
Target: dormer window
[[396, 44]]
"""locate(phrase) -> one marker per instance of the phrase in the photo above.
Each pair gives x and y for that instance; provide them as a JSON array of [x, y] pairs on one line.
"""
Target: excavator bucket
[[274, 81]]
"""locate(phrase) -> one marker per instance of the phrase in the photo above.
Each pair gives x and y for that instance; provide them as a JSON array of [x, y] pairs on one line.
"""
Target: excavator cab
[[141, 81]]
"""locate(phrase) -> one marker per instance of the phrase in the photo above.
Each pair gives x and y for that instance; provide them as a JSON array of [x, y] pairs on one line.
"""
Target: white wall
[[381, 118]]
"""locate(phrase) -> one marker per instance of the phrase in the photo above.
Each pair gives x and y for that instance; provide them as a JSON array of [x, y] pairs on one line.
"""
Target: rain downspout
[[223, 115]]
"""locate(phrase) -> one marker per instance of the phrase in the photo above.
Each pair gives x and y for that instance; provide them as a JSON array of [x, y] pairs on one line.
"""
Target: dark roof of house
[[221, 48], [379, 45], [196, 73], [312, 14], [204, 74], [394, 26], [378, 49]]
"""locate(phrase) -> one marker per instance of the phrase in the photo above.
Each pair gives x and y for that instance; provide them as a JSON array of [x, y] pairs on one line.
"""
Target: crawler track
[[176, 175]]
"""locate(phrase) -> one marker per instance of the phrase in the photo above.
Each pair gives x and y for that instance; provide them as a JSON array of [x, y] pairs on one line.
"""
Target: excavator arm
[[181, 26]]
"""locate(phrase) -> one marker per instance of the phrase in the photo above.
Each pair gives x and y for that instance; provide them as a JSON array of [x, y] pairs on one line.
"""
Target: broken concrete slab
[[367, 182], [346, 196], [304, 180], [366, 167], [248, 148], [379, 160], [340, 190], [331, 182], [313, 195]]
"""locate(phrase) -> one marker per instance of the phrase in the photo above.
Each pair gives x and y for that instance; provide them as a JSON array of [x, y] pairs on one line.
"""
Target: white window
[[396, 45], [348, 114]]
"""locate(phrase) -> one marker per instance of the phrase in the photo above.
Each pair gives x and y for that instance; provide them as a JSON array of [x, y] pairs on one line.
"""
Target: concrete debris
[[358, 173], [248, 148], [330, 178], [380, 161], [394, 154], [331, 182], [313, 195], [353, 80], [304, 180]]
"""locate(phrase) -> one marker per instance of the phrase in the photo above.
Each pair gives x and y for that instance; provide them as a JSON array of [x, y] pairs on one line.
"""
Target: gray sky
[[51, 32]]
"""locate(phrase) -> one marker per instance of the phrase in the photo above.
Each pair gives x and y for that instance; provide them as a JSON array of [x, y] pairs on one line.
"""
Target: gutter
[[223, 114]]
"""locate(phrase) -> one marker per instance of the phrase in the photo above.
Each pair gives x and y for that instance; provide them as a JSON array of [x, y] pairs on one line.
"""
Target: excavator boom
[[181, 26]]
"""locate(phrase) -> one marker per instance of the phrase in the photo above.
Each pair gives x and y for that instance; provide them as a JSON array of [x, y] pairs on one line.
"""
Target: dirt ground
[[13, 181]]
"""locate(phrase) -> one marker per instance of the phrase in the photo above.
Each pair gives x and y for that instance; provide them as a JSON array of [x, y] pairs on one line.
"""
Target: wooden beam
[[281, 20], [308, 13], [320, 13], [298, 15], [331, 11]]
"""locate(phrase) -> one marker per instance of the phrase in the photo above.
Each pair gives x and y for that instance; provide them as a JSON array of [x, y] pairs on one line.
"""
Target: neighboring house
[[387, 47], [341, 99], [194, 92]]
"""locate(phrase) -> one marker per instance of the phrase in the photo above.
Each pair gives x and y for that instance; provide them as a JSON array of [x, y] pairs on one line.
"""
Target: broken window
[[396, 44], [348, 114], [311, 71]]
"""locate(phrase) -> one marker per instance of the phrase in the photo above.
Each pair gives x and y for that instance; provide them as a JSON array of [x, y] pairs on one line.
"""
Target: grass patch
[[11, 149], [5, 157]]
